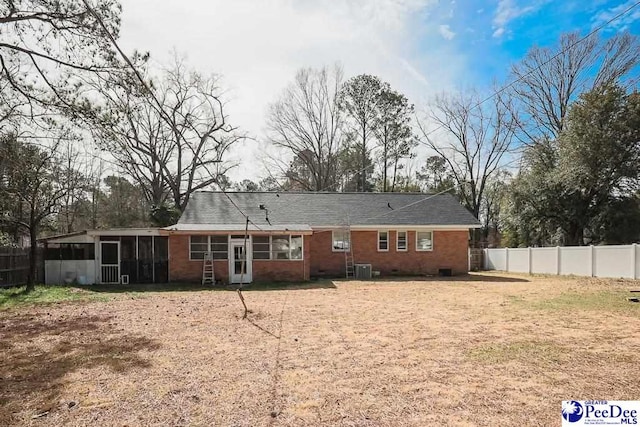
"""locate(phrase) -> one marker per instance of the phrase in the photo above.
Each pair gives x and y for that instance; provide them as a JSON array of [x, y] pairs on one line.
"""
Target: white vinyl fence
[[596, 261]]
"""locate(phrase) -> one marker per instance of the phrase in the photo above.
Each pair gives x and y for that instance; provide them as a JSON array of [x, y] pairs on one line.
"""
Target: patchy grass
[[519, 351], [17, 297], [600, 300], [488, 349]]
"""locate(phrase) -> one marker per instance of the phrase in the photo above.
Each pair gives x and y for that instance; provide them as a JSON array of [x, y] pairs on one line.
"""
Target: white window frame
[[406, 240], [432, 241], [333, 239], [208, 236], [270, 251], [378, 244], [271, 258], [189, 248]]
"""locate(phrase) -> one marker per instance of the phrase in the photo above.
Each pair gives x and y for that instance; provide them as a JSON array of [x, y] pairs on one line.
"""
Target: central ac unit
[[363, 271]]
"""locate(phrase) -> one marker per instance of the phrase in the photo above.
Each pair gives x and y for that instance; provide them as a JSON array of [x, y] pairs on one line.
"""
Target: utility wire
[[509, 85], [494, 94], [159, 105], [557, 55]]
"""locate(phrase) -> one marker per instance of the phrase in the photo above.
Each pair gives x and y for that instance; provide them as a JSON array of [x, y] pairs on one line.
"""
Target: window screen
[[383, 240], [401, 244], [261, 247], [198, 246], [220, 247]]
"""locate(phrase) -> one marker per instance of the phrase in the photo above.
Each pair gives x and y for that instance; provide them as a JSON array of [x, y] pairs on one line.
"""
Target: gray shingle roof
[[327, 209]]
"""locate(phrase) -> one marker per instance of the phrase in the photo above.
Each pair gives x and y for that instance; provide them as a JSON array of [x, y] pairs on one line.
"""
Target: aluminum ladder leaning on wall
[[208, 275], [350, 269]]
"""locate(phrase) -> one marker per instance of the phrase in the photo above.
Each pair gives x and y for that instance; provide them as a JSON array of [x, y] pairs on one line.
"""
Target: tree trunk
[[33, 251], [575, 235], [364, 166], [384, 175]]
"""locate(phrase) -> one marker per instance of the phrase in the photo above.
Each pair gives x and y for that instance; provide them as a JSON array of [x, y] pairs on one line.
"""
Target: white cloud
[[498, 32], [257, 46], [629, 16], [506, 12], [446, 32]]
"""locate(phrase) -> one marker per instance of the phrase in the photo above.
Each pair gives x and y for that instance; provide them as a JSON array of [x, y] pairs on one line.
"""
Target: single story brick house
[[291, 236], [297, 235]]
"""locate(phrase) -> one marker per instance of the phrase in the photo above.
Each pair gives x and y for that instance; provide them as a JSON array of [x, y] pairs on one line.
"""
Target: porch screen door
[[109, 262]]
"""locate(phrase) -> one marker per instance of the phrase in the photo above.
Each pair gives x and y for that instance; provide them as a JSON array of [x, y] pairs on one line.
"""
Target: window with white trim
[[280, 247], [296, 247], [199, 245], [401, 241], [383, 241], [277, 247], [261, 247], [340, 240], [424, 240], [219, 246]]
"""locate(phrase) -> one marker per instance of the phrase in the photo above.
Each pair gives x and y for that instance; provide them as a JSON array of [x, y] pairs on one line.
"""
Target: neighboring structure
[[291, 237]]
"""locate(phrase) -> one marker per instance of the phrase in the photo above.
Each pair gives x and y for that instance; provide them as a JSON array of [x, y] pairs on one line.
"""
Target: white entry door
[[239, 260], [109, 262]]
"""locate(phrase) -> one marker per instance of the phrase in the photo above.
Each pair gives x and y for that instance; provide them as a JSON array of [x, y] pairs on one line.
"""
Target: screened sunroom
[[117, 256]]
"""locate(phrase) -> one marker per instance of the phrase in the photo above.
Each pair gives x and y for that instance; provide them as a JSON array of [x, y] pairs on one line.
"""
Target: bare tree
[[473, 139], [549, 80], [306, 122], [173, 140]]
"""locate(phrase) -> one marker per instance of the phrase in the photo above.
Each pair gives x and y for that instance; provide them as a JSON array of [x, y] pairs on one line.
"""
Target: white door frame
[[111, 267], [248, 274]]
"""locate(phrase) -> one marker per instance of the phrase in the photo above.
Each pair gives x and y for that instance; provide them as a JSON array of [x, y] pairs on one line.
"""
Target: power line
[[160, 108], [493, 94], [557, 55], [502, 89]]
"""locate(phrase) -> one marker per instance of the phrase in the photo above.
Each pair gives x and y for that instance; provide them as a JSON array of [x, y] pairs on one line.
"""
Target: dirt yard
[[490, 349]]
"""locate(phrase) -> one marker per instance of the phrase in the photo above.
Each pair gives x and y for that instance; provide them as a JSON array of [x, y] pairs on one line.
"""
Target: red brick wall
[[285, 270], [450, 250], [181, 269]]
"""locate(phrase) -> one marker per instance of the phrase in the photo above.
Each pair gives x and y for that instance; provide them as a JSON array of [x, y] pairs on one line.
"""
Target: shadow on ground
[[479, 277], [288, 286], [39, 350], [151, 287], [475, 277], [196, 287]]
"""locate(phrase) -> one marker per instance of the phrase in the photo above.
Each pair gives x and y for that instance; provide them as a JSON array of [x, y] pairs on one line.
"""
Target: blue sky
[[491, 35], [421, 47]]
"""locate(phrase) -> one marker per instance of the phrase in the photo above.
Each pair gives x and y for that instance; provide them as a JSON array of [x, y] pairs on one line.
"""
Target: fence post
[[529, 258], [591, 253], [506, 259], [558, 260], [634, 268]]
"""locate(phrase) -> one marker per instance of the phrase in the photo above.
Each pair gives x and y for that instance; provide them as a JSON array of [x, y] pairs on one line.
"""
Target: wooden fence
[[14, 266]]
